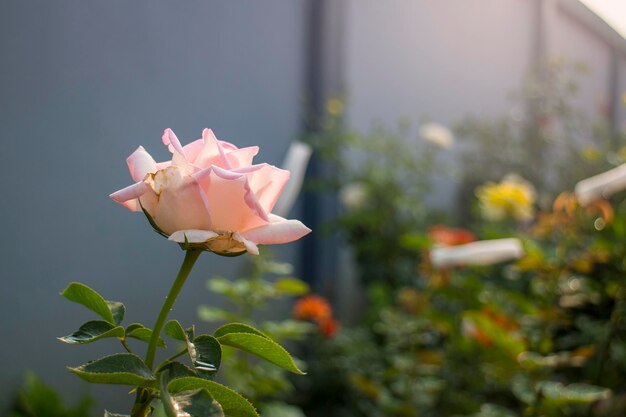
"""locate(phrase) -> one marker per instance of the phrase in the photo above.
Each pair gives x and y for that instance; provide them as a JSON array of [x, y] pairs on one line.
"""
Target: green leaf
[[141, 332], [199, 403], [174, 330], [291, 286], [176, 370], [92, 331], [237, 328], [262, 347], [107, 414], [121, 368], [206, 354], [233, 404], [111, 311]]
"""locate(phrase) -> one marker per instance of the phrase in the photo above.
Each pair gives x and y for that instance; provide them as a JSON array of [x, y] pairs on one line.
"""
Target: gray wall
[[82, 84]]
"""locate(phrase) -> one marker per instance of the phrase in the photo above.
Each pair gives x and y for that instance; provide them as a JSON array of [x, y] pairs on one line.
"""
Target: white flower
[[437, 135], [296, 161], [601, 186], [483, 252], [353, 196]]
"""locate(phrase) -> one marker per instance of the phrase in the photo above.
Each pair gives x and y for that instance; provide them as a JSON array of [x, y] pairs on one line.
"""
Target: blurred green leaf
[[36, 399], [208, 313], [574, 393], [291, 286], [92, 331]]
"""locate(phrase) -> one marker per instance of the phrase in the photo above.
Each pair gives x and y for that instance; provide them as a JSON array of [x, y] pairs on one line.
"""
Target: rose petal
[[170, 139], [242, 157], [279, 230], [182, 207], [128, 196], [192, 150], [212, 152], [231, 197], [267, 182], [140, 163], [232, 204], [192, 236]]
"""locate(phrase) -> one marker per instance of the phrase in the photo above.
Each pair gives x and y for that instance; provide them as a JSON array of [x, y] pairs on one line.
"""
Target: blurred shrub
[[37, 399], [266, 283], [544, 336]]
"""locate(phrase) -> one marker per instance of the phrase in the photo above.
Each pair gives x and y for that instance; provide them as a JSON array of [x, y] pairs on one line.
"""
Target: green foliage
[[543, 336], [37, 399], [190, 388], [248, 296]]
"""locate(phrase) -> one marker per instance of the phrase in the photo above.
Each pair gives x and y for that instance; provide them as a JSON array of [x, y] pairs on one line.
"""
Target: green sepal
[[152, 222], [111, 311], [140, 332], [251, 340], [233, 404], [237, 328], [92, 331], [121, 368]]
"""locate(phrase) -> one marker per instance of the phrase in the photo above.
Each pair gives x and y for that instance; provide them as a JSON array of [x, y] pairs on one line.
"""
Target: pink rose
[[210, 196]]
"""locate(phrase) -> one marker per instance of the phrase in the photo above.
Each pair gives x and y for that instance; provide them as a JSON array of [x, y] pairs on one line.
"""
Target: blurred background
[[83, 83]]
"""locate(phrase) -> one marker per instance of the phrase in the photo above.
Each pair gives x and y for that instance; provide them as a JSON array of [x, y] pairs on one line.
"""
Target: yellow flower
[[513, 197]]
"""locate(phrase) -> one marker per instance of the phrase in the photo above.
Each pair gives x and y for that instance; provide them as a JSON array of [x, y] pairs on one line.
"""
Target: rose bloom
[[210, 196], [450, 236], [482, 252], [601, 186], [329, 327], [513, 197], [437, 134], [312, 307]]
